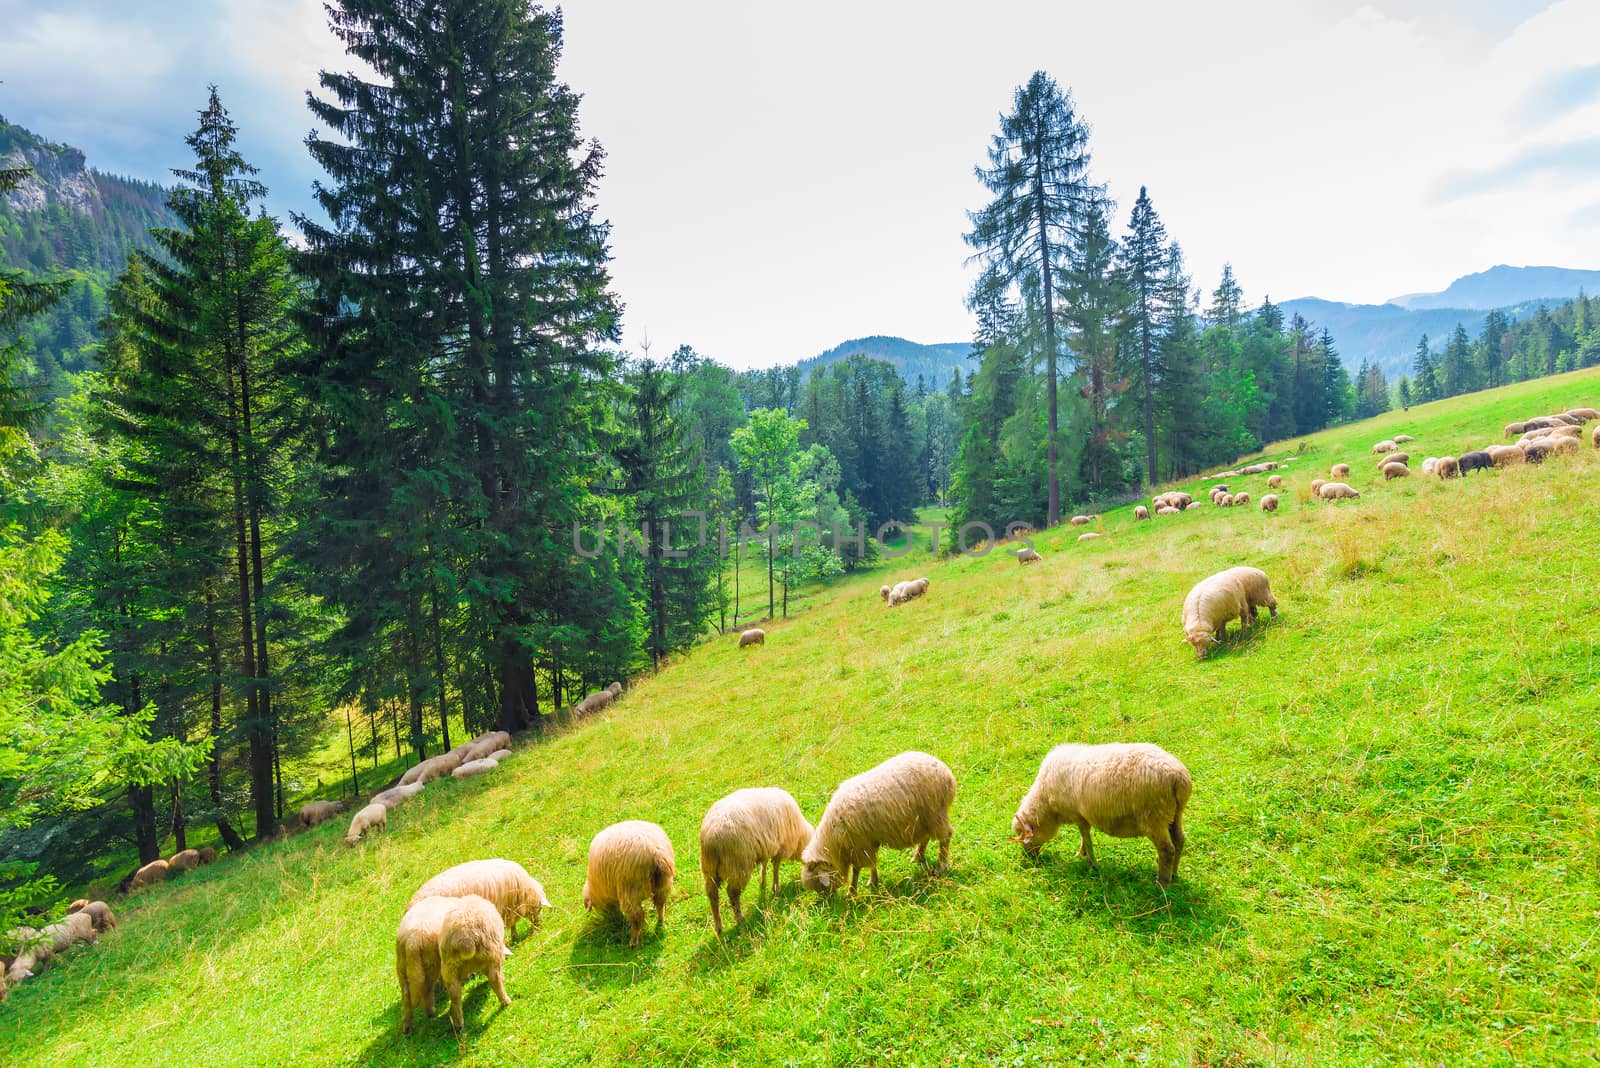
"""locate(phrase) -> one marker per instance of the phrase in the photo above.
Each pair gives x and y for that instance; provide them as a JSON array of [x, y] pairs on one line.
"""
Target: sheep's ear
[[826, 880], [1213, 639], [507, 950]]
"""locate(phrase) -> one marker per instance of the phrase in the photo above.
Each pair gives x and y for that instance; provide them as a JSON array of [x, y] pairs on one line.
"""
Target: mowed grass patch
[[1392, 840]]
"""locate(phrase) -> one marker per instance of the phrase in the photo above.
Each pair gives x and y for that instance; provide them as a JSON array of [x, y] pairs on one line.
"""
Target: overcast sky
[[783, 177]]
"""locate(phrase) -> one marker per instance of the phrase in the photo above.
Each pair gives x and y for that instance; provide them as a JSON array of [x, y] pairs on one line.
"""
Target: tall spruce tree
[[1424, 375], [1096, 311], [1144, 262], [1038, 174], [461, 300]]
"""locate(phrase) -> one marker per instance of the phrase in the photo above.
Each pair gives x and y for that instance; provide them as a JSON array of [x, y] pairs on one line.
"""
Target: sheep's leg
[[776, 861], [661, 909], [733, 899], [944, 853], [497, 981], [1166, 855], [453, 987], [716, 906], [635, 913], [855, 876], [1086, 850], [874, 862], [1176, 830], [921, 856]]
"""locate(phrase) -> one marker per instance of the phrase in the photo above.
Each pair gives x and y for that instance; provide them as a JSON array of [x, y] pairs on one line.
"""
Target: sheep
[[616, 691], [1339, 472], [471, 942], [1513, 429], [1596, 437], [473, 767], [1089, 536], [1538, 424], [75, 927], [1254, 469], [315, 812], [485, 744], [99, 914], [505, 883], [416, 956], [396, 796], [907, 591], [498, 755], [1181, 499], [1269, 503], [602, 699], [1337, 491], [1274, 481], [902, 803], [1316, 487], [1166, 509], [1220, 488], [1566, 418], [1447, 467], [373, 818], [1504, 455], [1540, 451], [1141, 512], [1214, 601], [77, 906], [1476, 460], [630, 862], [1028, 556], [1394, 471], [1241, 498], [152, 873], [183, 860], [1385, 446], [1191, 506], [1401, 439], [436, 767], [1584, 414], [1079, 520], [883, 592], [1432, 462], [1126, 790], [208, 855], [1392, 458], [749, 827], [1224, 500]]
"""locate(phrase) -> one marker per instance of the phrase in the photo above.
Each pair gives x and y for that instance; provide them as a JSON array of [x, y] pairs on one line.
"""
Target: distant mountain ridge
[[935, 363], [1501, 286]]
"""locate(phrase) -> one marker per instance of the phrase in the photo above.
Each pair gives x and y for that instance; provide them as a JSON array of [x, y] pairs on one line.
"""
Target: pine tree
[[1038, 174], [1144, 259], [1096, 309], [1338, 394], [1456, 371], [1425, 381], [1227, 301]]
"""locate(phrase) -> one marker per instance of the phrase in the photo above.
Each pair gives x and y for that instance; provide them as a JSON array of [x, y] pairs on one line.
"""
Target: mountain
[[1502, 286], [935, 363], [70, 220]]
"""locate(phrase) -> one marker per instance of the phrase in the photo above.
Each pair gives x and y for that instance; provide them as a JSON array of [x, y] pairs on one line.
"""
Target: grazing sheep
[[1274, 481], [499, 754], [1565, 417], [1241, 498], [152, 873], [602, 699], [1513, 429], [1166, 509], [1540, 451], [883, 592], [1125, 790], [485, 744], [1447, 467], [1191, 506], [1596, 437], [396, 796], [1394, 471], [747, 828], [1269, 503], [1220, 488], [1316, 487], [1028, 556], [27, 962], [75, 927], [436, 767], [1504, 455], [1432, 462], [315, 812], [1401, 439], [1079, 520], [1538, 424], [208, 855], [1339, 472], [1584, 414], [373, 818], [504, 882], [1141, 512], [416, 956], [473, 767], [1385, 446], [471, 942], [1089, 536], [1337, 491], [616, 691], [77, 906], [753, 636], [629, 863], [902, 803], [1393, 458], [183, 860], [1476, 460], [1213, 602], [907, 591], [1182, 500], [100, 915]]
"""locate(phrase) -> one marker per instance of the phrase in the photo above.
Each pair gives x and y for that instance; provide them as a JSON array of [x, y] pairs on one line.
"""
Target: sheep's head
[[1202, 639], [819, 875], [1024, 832]]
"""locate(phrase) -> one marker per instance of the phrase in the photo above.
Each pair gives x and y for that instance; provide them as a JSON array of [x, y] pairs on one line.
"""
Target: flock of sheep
[[459, 923], [27, 950]]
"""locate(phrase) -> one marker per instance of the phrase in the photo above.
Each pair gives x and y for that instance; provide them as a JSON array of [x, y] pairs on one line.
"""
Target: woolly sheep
[[1028, 556], [629, 863], [750, 827], [1089, 536], [208, 855], [1141, 512], [1401, 439], [1191, 506], [1385, 446], [1274, 481], [373, 818], [883, 592], [902, 803], [471, 942], [1166, 509], [1504, 455], [416, 956], [907, 591], [1513, 429], [396, 796], [1269, 503], [473, 767], [1226, 500], [1432, 462], [1584, 414], [602, 699], [616, 691], [1565, 417], [1126, 790], [1339, 472], [436, 767], [753, 636], [1080, 520], [1538, 423], [100, 915], [152, 873], [75, 927], [1316, 487], [1394, 471], [1392, 458], [1253, 469], [183, 860], [1539, 451], [77, 906], [1596, 437], [505, 883], [499, 754], [315, 812], [1476, 460], [1241, 498], [485, 744], [1447, 467], [1215, 601], [1337, 491]]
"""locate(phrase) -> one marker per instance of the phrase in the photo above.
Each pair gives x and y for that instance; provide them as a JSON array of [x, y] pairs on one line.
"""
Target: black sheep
[[1474, 461]]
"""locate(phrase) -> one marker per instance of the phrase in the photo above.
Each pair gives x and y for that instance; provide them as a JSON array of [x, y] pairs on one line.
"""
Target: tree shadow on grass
[[433, 1040], [1124, 895], [601, 958]]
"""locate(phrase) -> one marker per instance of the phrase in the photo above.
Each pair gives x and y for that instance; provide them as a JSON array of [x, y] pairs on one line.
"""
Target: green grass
[[1392, 839]]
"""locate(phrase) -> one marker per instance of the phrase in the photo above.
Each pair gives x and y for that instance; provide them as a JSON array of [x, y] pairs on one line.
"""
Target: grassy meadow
[[1393, 842]]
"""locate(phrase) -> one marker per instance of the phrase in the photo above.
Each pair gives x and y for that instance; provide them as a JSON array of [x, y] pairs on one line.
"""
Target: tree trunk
[[438, 667], [519, 694], [180, 826], [141, 800], [1053, 502], [1149, 388], [230, 837], [350, 734]]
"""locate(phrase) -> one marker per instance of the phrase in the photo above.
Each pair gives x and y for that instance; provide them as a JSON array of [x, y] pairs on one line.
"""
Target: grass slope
[[1392, 839]]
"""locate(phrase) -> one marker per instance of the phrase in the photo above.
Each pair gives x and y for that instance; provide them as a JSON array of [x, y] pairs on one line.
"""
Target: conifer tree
[[1425, 381], [1144, 256]]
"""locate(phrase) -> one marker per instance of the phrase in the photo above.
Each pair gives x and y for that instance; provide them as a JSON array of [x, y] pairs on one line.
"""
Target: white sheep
[[749, 827], [1141, 512], [1433, 461], [1079, 520], [499, 754], [1337, 491], [436, 767], [1125, 790], [396, 796], [152, 873], [1269, 503], [1394, 471], [474, 767], [416, 956], [616, 691], [315, 812], [374, 817], [485, 744], [753, 636], [883, 593], [1338, 472], [1093, 534], [902, 803], [1215, 601], [506, 883], [629, 863], [73, 928], [1028, 556], [1385, 446], [471, 942], [1274, 481]]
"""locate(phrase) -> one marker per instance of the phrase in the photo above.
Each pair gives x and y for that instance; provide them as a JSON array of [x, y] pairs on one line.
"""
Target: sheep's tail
[[660, 874]]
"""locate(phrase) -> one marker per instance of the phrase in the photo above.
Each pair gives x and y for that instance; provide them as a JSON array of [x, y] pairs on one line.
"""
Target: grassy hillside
[[1392, 838]]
